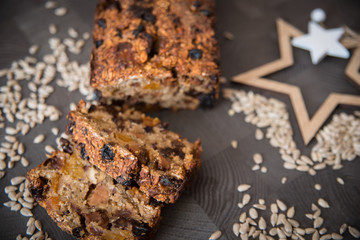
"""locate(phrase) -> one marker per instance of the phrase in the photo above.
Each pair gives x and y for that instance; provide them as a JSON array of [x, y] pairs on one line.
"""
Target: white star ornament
[[321, 42]]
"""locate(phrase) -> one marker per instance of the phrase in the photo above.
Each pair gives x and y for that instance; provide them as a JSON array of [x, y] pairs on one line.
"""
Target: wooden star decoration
[[308, 127]]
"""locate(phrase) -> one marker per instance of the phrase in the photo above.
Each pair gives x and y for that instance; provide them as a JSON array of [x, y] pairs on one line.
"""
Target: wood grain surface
[[211, 203]]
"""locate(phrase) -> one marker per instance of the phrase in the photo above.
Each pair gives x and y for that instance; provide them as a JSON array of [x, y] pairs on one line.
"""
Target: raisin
[[148, 129], [65, 145], [166, 152], [149, 17], [37, 188], [70, 128], [140, 229], [91, 108], [195, 53], [98, 43], [83, 153], [140, 29], [207, 13], [78, 232], [55, 163], [37, 193], [106, 153], [118, 33], [102, 23], [112, 4], [207, 100], [97, 95]]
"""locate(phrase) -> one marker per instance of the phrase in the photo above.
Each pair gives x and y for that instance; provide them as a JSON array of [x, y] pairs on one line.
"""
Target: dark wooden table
[[211, 203]]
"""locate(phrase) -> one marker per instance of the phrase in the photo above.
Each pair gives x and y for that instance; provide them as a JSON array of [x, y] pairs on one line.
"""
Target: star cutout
[[308, 127], [321, 42]]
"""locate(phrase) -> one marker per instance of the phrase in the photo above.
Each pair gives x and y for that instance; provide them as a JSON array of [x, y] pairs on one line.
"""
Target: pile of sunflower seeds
[[336, 142], [281, 223]]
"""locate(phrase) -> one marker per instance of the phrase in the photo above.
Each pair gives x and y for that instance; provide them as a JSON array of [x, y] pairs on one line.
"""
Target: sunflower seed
[[9, 204], [52, 28], [274, 208], [17, 180], [257, 157], [50, 4], [10, 188], [21, 149], [253, 213], [300, 231], [310, 230], [2, 174], [215, 235], [252, 230], [340, 180], [290, 166], [283, 180], [273, 219], [29, 199], [262, 223], [242, 217], [24, 162], [317, 187], [251, 221], [243, 187], [263, 169], [322, 203], [325, 237], [231, 112], [244, 237], [255, 167], [16, 207], [38, 225], [336, 236], [236, 229], [55, 131], [259, 135], [61, 11], [73, 33], [260, 206], [33, 49], [315, 236], [317, 213], [244, 228], [354, 232], [39, 235], [273, 231], [318, 222], [240, 205], [234, 144], [281, 234], [49, 149], [290, 212], [26, 212], [246, 199], [38, 139], [281, 205], [27, 205], [309, 216], [25, 129], [11, 131], [314, 207], [86, 35], [2, 165], [322, 231], [343, 228]]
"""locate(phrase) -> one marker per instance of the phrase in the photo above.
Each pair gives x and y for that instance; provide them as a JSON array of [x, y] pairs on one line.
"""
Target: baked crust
[[87, 203], [157, 52], [134, 148]]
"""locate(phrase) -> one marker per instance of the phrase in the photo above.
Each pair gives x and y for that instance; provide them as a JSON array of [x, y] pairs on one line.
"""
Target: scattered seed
[[52, 29], [73, 33], [11, 131], [38, 139], [259, 135], [281, 205], [258, 159], [2, 165], [317, 187], [26, 212], [261, 201], [16, 207], [255, 167], [315, 236], [274, 208], [24, 162], [228, 35], [236, 229], [215, 235], [50, 4], [354, 232], [322, 203], [318, 222], [262, 223], [325, 237], [246, 199], [340, 180], [317, 213], [244, 228], [336, 236], [243, 187], [86, 35], [55, 131], [310, 230], [253, 213], [231, 112], [2, 174], [33, 49], [9, 204], [61, 11], [17, 180], [49, 149], [273, 219], [260, 206], [322, 231], [234, 144], [290, 212], [38, 225], [21, 149], [283, 180], [343, 228], [263, 169], [242, 217]]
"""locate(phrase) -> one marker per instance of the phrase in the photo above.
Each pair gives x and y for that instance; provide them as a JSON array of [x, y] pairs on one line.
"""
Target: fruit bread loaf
[[135, 149], [87, 203], [156, 52]]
